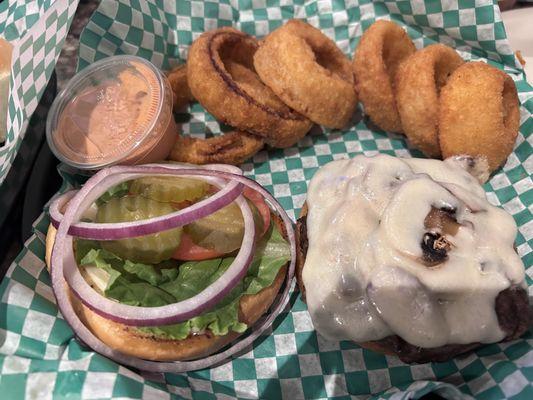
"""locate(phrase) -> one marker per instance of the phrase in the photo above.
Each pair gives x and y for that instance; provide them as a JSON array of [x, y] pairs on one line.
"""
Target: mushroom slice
[[407, 307], [439, 223], [473, 202], [403, 219], [443, 220], [435, 249], [381, 179], [477, 166]]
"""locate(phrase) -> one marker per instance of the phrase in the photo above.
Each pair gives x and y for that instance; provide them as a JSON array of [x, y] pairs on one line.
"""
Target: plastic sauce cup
[[116, 111]]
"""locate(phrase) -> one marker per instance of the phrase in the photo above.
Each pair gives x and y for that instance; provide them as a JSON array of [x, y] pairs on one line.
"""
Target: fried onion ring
[[230, 148], [222, 78], [377, 57], [180, 89], [418, 82], [308, 72], [479, 113]]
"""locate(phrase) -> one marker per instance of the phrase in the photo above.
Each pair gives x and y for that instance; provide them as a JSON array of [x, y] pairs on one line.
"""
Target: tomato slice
[[261, 205], [189, 251]]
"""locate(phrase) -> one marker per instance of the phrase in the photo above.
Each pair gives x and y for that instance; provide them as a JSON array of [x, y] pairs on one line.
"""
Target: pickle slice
[[223, 230], [148, 249], [169, 189]]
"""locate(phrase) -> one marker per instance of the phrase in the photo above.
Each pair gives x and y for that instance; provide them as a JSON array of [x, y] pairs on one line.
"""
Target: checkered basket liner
[[41, 359], [36, 29]]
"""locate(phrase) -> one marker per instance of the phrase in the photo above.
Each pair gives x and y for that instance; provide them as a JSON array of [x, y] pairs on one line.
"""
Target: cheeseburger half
[[407, 257], [168, 262]]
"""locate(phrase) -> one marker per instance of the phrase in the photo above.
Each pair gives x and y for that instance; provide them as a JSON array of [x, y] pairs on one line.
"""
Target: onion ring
[[308, 72], [479, 113], [180, 89], [377, 57], [222, 78], [418, 82], [232, 148], [229, 148]]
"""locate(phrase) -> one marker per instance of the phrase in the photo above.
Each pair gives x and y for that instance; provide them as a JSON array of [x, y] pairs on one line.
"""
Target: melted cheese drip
[[363, 273]]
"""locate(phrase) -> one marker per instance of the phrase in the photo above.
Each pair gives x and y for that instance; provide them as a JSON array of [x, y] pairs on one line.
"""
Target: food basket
[[41, 358], [35, 32]]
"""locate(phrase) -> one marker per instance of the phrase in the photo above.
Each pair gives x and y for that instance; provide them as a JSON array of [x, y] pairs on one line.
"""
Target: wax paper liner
[[36, 29], [41, 359]]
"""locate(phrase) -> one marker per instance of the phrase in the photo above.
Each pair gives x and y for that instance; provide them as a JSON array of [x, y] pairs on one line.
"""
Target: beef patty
[[512, 309]]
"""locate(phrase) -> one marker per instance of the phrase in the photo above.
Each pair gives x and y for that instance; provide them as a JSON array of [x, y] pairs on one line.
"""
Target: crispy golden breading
[[479, 113], [309, 73], [222, 78], [180, 89], [377, 57], [230, 148], [418, 82]]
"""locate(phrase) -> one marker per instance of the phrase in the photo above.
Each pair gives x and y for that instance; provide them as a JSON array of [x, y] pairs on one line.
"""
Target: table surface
[[68, 59], [518, 27], [239, 370]]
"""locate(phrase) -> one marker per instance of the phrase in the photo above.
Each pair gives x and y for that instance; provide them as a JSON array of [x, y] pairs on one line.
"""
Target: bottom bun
[[133, 342]]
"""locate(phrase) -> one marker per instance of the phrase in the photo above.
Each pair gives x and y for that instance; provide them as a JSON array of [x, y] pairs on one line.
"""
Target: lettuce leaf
[[126, 287], [115, 191], [169, 282]]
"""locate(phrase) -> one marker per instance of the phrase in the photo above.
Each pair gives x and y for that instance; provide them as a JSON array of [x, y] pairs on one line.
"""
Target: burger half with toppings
[[169, 262], [407, 257]]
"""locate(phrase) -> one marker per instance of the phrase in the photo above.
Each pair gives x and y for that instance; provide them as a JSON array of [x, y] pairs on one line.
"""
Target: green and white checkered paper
[[36, 29], [41, 359]]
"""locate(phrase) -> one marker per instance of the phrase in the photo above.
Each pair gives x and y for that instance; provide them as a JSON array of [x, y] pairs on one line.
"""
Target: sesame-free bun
[[131, 341]]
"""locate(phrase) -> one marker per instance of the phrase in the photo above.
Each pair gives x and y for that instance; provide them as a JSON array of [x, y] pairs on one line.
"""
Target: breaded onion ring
[[180, 89], [479, 113], [308, 72], [418, 82], [377, 57], [222, 78], [230, 148]]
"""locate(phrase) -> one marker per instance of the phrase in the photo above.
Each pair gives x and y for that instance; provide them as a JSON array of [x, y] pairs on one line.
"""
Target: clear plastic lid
[[106, 112]]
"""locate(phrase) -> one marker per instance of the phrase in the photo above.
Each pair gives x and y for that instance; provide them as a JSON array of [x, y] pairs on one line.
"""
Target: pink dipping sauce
[[116, 111]]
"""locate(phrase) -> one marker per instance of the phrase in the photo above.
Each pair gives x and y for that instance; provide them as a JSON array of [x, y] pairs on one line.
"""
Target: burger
[[407, 257], [123, 273]]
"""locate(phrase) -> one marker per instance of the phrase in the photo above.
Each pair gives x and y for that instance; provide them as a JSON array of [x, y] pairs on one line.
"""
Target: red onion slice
[[58, 204], [124, 230], [179, 366], [87, 337], [164, 315]]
